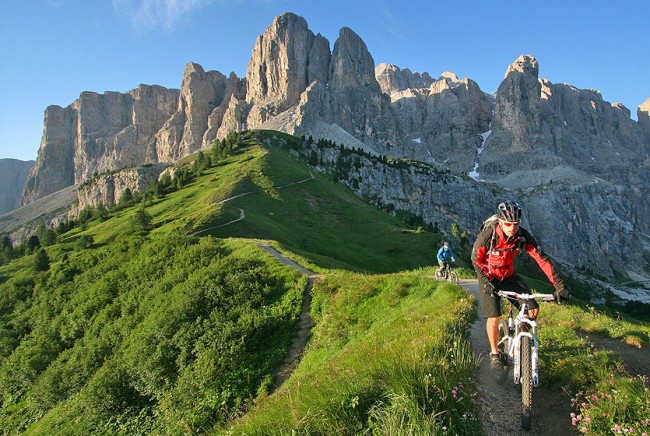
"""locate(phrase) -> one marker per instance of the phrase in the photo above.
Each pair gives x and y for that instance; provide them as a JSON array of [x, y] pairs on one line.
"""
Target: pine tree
[[42, 261]]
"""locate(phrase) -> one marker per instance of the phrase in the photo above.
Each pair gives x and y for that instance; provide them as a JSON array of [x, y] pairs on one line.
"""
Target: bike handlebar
[[509, 294]]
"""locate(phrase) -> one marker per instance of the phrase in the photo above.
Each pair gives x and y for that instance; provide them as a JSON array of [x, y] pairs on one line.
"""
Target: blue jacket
[[445, 254]]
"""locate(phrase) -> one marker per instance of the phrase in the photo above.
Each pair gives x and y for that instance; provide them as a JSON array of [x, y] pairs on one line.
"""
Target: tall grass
[[605, 397], [389, 355]]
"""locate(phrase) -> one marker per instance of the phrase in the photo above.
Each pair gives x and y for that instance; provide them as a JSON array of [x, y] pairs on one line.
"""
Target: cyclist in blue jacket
[[445, 255]]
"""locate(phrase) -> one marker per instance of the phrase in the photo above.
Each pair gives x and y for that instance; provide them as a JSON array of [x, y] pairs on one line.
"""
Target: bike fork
[[534, 357]]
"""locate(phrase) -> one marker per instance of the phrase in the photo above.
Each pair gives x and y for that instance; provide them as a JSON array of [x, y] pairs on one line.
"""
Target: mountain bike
[[447, 274], [518, 347]]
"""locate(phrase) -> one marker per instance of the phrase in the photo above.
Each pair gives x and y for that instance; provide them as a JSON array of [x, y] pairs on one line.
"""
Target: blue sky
[[52, 50]]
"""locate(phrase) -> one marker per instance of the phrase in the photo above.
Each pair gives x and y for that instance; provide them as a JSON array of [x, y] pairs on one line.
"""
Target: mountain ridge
[[554, 147]]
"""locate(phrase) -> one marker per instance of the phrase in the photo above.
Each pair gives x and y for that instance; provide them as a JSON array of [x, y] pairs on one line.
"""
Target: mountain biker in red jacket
[[493, 256]]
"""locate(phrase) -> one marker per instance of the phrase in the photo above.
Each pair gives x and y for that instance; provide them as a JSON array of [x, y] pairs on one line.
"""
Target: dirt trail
[[304, 325], [500, 404]]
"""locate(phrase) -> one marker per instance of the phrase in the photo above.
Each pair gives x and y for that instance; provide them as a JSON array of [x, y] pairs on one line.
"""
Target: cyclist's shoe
[[496, 368]]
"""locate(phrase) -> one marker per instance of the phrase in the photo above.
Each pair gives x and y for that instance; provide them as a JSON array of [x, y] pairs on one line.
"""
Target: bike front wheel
[[504, 342], [453, 277], [526, 383]]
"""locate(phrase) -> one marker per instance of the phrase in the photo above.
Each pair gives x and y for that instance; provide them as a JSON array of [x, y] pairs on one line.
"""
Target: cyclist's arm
[[542, 260], [480, 253]]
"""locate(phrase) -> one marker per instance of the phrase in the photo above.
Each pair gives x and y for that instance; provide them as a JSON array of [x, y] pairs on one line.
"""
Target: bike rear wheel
[[526, 383]]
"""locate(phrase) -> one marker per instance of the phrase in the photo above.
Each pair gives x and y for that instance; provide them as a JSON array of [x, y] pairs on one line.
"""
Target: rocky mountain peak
[[279, 62], [449, 75], [552, 145], [643, 115], [351, 64], [525, 64], [392, 79]]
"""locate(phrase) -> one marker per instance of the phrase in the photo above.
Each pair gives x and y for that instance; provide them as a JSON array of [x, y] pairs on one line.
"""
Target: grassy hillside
[[165, 317], [390, 355], [134, 323]]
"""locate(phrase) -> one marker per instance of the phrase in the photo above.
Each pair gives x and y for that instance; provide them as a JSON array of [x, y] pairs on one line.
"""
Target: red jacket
[[493, 254]]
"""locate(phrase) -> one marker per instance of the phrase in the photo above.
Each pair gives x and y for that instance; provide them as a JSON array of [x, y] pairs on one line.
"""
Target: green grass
[[317, 219], [320, 220], [389, 355], [604, 395]]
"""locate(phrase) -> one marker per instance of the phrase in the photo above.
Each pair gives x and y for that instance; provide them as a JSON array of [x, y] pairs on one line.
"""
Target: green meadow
[[164, 316]]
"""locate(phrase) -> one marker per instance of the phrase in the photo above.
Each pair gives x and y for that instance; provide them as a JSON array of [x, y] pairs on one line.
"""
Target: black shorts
[[491, 305]]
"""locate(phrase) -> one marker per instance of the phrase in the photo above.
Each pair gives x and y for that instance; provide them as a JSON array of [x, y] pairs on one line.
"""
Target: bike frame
[[518, 323], [447, 269]]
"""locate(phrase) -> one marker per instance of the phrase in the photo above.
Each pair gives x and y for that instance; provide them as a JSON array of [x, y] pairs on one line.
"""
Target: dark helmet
[[510, 211]]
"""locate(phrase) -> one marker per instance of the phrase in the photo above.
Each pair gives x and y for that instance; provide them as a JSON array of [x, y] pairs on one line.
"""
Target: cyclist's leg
[[491, 311], [442, 266]]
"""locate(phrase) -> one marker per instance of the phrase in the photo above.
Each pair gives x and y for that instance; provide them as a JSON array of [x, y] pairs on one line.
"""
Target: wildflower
[[573, 415], [574, 421], [583, 429], [588, 419], [616, 427]]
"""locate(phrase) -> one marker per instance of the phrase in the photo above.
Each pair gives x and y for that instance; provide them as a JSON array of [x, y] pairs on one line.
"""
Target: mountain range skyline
[[65, 47]]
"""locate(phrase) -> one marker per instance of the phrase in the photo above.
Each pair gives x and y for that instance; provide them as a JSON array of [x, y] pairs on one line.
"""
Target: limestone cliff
[[538, 124], [107, 189], [13, 174], [95, 134], [576, 161]]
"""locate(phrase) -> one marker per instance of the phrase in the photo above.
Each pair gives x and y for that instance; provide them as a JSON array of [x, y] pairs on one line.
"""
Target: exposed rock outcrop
[[351, 98], [281, 67], [553, 146], [538, 124], [107, 189], [643, 115], [95, 134], [183, 133], [392, 79], [13, 174]]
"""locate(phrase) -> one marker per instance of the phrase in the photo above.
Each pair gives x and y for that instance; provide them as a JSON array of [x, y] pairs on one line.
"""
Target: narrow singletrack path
[[242, 214], [499, 405], [304, 325]]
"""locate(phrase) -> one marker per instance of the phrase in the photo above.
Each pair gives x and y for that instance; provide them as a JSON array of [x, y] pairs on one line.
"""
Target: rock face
[[579, 164], [13, 174], [107, 189], [279, 69], [392, 79], [96, 134], [182, 134], [643, 115], [537, 124]]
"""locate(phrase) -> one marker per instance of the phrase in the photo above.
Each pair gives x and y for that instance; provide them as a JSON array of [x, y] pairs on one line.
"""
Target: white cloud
[[150, 14], [391, 23]]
